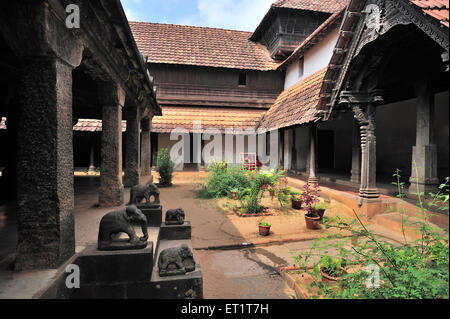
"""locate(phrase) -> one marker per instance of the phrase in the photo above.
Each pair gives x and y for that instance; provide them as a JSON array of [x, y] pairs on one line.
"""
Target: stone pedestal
[[186, 286], [175, 232], [153, 214], [97, 266], [112, 99]]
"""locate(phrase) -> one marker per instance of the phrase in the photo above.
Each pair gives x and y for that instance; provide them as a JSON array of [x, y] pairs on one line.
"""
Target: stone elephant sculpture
[[120, 221], [139, 192], [176, 261]]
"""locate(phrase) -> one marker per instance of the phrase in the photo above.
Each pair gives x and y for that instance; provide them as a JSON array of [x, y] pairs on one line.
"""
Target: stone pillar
[[146, 150], [112, 98], [45, 200], [356, 155], [133, 148], [92, 155], [424, 155], [366, 118], [287, 149], [312, 178]]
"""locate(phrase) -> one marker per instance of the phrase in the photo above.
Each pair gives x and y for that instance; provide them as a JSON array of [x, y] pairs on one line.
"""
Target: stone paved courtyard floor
[[227, 273]]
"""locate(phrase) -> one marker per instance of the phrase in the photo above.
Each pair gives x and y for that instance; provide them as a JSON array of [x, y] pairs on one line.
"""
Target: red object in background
[[250, 161]]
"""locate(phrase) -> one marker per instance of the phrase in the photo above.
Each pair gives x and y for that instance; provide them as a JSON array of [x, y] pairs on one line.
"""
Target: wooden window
[[242, 79]]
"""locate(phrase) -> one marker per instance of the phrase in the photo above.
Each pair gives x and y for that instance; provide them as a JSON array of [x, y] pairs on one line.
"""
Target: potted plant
[[234, 192], [296, 200], [264, 228], [309, 197], [332, 269], [319, 209]]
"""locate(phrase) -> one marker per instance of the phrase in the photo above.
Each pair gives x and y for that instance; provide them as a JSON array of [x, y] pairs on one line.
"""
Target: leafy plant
[[310, 195], [164, 166], [264, 223], [250, 198], [332, 267], [382, 270], [319, 206]]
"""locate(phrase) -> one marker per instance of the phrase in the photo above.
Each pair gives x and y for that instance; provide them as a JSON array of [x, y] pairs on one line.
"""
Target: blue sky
[[227, 14]]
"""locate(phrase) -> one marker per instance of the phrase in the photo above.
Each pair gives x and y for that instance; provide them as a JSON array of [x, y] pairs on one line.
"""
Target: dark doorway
[[325, 149]]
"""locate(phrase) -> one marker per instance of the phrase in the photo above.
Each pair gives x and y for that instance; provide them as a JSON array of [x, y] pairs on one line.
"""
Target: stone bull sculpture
[[175, 217], [120, 221], [139, 192]]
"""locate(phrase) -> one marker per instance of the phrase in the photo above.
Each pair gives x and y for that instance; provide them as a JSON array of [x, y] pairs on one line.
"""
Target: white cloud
[[232, 14]]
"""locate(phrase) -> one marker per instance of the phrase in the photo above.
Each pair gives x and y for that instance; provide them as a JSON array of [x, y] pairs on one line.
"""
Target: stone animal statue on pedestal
[[120, 221], [139, 192], [175, 217], [176, 261]]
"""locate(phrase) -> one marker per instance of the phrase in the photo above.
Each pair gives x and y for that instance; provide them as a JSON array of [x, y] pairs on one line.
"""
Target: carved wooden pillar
[[424, 155], [287, 149], [312, 179], [146, 149], [366, 119], [112, 99], [133, 146]]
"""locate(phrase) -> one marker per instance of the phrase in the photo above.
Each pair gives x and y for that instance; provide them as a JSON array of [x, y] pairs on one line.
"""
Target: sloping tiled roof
[[88, 125], [438, 9], [200, 46], [329, 6], [83, 125], [296, 105], [210, 117]]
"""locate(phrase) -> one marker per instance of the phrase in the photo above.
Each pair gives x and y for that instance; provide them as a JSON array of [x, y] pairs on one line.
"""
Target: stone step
[[393, 221]]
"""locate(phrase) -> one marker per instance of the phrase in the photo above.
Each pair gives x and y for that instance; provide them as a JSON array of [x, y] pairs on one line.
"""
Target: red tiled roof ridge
[[189, 26], [200, 46]]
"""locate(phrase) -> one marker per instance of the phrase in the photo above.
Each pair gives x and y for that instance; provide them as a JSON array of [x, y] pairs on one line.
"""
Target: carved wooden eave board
[[364, 22]]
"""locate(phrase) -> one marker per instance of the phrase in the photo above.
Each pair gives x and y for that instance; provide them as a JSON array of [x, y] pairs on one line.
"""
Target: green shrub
[[224, 179], [164, 166]]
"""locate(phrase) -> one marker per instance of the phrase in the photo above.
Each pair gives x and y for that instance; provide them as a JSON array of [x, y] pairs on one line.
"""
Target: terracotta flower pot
[[328, 278], [233, 195], [318, 212], [296, 204], [264, 230], [312, 221]]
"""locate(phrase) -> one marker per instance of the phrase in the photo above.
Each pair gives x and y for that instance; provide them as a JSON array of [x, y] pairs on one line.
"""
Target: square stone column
[[133, 146], [424, 154], [287, 149], [312, 178], [45, 199], [146, 150], [112, 99]]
